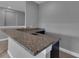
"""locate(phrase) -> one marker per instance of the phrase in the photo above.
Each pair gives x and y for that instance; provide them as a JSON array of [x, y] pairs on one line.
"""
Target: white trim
[[70, 52], [9, 54], [4, 39]]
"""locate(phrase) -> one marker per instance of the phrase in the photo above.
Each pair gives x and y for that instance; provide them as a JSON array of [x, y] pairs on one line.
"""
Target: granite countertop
[[34, 43]]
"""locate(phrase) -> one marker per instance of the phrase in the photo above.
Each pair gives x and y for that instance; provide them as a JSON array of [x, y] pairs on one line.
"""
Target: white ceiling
[[39, 2]]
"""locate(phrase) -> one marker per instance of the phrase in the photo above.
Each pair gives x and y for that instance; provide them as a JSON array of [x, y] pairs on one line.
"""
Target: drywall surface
[[70, 43], [62, 18], [20, 19], [1, 17], [16, 5], [31, 14]]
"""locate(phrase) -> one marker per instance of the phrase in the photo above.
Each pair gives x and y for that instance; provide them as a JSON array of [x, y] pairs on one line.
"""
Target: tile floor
[[65, 55], [3, 49]]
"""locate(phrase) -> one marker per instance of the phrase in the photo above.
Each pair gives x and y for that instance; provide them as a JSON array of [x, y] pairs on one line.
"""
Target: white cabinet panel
[[17, 51]]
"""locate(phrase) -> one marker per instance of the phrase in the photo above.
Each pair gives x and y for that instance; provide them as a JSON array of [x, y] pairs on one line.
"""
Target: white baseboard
[[70, 52], [9, 54]]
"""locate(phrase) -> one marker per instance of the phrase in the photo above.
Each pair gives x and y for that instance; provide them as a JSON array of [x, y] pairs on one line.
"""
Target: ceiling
[[39, 2]]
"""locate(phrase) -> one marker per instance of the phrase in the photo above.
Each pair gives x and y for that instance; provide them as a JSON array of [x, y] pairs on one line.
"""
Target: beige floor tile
[[65, 55]]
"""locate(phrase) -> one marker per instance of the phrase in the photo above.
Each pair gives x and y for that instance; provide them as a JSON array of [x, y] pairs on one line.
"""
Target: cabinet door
[[11, 18], [20, 51], [1, 17], [20, 18]]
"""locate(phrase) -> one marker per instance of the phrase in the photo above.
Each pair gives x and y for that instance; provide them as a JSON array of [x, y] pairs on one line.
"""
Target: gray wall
[[31, 14], [20, 19], [1, 18], [13, 18], [10, 19], [16, 5], [70, 43], [62, 18]]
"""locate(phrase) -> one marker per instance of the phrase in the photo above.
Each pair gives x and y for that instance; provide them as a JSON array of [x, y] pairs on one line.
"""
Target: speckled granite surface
[[35, 43]]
